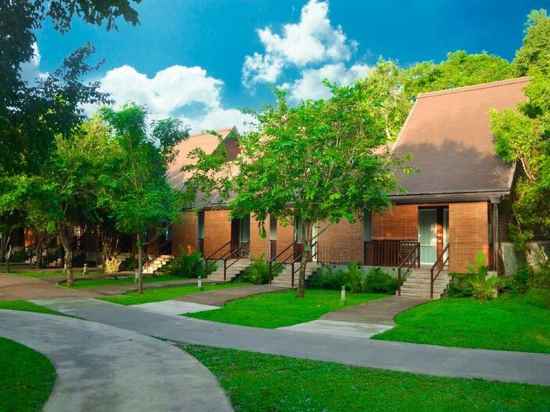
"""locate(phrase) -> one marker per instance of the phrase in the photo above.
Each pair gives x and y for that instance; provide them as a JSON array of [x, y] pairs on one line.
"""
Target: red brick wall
[[217, 230], [341, 242], [285, 237], [398, 222], [258, 244], [185, 233], [468, 233]]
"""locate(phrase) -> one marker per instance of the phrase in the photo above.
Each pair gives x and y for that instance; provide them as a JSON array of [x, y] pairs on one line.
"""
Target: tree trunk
[[306, 236], [140, 263], [67, 248]]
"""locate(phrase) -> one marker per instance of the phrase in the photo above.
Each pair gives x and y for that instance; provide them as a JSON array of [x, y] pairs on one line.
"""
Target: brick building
[[454, 206]]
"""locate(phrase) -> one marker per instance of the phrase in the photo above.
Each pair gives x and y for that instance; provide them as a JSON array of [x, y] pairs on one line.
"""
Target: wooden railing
[[233, 254], [387, 252], [437, 267], [410, 260]]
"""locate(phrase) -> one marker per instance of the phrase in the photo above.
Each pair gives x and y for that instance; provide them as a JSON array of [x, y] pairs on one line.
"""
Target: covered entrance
[[433, 224], [240, 236]]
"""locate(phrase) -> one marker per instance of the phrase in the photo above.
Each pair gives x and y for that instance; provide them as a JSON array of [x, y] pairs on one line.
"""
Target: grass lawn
[[276, 309], [259, 382], [26, 378], [506, 323], [121, 281], [26, 306], [160, 294]]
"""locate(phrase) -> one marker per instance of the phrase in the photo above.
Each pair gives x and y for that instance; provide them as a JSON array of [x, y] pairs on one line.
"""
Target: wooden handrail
[[438, 265], [232, 254], [406, 262]]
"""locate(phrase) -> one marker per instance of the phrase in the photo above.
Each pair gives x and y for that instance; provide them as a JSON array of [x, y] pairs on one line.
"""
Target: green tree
[[32, 114], [316, 162], [138, 194], [459, 69], [523, 134]]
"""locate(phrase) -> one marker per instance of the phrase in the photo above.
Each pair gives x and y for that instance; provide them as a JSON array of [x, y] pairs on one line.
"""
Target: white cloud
[[313, 40], [170, 92], [310, 85], [29, 71]]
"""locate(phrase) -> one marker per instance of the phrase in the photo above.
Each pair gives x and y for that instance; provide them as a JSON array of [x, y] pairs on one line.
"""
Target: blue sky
[[201, 60]]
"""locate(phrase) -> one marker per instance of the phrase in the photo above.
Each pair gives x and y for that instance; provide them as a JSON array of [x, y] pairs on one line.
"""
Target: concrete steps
[[156, 264], [417, 284], [233, 270], [285, 278]]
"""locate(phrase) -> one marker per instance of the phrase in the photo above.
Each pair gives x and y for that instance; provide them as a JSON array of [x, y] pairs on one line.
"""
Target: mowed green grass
[[26, 306], [164, 293], [277, 309], [26, 378], [259, 382], [507, 323]]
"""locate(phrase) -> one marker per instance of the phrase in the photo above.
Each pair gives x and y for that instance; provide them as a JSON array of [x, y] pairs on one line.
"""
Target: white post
[[199, 282], [343, 294]]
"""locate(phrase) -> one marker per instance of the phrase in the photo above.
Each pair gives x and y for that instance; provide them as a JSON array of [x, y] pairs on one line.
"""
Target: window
[[201, 224]]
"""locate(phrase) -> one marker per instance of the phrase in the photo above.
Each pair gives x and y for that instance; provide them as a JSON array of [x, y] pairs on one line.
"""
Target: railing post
[[225, 270], [292, 279], [432, 283], [399, 281]]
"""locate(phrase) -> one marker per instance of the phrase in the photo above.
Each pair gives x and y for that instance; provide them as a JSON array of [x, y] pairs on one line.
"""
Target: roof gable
[[449, 139]]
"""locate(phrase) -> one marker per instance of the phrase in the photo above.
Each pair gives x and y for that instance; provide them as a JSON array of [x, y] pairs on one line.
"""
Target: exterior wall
[[399, 222], [342, 242], [258, 246], [217, 230], [468, 233], [185, 234], [285, 237]]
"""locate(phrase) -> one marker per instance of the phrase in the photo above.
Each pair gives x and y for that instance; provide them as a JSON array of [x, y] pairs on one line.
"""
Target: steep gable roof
[[449, 139], [208, 142]]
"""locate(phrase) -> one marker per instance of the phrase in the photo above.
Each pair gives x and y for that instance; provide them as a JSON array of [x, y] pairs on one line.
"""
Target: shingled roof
[[448, 137], [208, 142]]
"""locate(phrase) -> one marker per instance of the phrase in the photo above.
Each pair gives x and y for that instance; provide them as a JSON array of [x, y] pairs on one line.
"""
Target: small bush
[[354, 278], [190, 265], [460, 285], [112, 265], [520, 280], [326, 277], [258, 272], [379, 281], [129, 264]]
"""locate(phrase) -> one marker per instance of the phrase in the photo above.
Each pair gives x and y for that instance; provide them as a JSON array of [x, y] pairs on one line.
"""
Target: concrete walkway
[[435, 360], [13, 287], [222, 296], [376, 312], [102, 368], [339, 328]]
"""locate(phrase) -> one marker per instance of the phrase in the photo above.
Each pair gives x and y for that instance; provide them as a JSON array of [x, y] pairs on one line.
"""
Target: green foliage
[[476, 282], [459, 69], [190, 265], [259, 271], [521, 134], [538, 297], [354, 279]]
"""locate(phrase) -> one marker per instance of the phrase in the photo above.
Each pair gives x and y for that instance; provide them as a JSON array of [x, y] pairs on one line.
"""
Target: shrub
[[112, 265], [354, 278], [520, 281], [326, 277], [460, 285], [379, 281], [128, 264], [190, 265], [258, 272]]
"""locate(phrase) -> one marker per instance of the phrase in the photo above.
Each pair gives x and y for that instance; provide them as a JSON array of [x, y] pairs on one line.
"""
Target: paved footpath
[[103, 368], [222, 296], [427, 359]]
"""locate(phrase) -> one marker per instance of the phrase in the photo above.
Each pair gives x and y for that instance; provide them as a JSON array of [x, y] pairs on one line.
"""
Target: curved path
[[519, 367], [103, 368]]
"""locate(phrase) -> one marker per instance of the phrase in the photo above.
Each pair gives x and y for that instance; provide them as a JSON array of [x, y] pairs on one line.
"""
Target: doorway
[[427, 235], [240, 236]]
